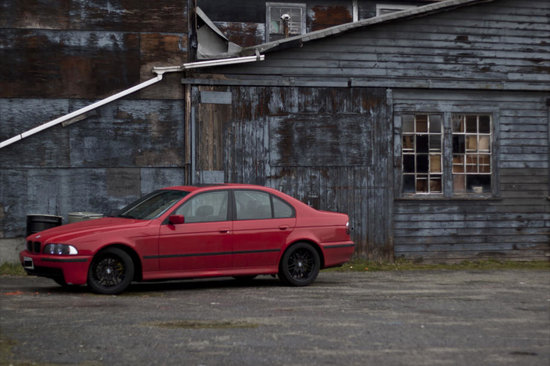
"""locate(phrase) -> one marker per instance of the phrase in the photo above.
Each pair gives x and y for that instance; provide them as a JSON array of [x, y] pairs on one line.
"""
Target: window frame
[[467, 165], [414, 152], [447, 111], [271, 199], [229, 205], [268, 8]]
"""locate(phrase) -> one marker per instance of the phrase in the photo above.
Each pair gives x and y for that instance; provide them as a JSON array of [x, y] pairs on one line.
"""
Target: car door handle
[[283, 227], [224, 230]]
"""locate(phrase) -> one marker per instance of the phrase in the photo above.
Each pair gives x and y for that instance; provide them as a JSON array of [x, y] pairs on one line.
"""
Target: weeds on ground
[[11, 269], [362, 265]]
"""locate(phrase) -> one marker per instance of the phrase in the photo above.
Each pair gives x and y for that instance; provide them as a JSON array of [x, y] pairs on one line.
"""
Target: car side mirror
[[176, 219]]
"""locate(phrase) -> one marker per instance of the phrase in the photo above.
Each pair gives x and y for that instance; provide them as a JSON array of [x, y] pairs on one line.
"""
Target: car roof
[[206, 187]]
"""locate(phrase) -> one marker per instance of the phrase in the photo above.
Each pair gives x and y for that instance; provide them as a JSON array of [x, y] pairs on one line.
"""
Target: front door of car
[[203, 241], [261, 227]]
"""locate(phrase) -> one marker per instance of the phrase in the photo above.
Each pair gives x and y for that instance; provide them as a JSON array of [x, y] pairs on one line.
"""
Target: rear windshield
[[152, 205]]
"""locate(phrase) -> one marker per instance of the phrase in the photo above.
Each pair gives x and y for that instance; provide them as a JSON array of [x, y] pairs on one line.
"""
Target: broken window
[[422, 153], [471, 153], [469, 158], [285, 20]]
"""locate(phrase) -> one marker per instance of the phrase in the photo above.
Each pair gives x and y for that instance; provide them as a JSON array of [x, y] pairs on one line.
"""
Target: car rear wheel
[[111, 271], [300, 265]]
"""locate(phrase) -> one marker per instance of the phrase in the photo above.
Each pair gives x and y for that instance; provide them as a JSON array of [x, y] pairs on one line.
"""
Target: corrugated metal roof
[[420, 11]]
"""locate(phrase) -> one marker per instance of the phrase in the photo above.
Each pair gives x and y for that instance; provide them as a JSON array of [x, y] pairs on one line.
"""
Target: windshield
[[152, 205]]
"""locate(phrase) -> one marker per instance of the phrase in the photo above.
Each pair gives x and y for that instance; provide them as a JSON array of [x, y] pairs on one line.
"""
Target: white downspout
[[157, 70]]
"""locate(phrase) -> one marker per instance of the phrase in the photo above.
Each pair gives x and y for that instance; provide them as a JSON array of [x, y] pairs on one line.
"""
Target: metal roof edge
[[323, 33], [201, 14]]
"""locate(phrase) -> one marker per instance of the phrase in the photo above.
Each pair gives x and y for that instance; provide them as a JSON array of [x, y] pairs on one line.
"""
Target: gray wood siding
[[498, 45], [514, 223]]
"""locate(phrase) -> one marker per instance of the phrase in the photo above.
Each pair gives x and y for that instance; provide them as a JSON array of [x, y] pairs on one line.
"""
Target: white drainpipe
[[157, 70]]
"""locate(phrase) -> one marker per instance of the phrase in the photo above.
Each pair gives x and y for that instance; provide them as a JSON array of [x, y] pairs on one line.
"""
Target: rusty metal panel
[[45, 149], [35, 14], [130, 15], [243, 34], [43, 63], [160, 49], [59, 191], [324, 16], [319, 140], [130, 133]]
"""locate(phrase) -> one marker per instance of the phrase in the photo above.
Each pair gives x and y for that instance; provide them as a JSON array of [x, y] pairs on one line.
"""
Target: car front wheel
[[300, 265], [111, 271]]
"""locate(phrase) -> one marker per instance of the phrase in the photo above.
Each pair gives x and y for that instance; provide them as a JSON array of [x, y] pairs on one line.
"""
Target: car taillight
[[347, 228]]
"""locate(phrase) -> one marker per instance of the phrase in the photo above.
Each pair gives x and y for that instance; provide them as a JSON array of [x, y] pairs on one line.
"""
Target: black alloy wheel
[[111, 271], [300, 265]]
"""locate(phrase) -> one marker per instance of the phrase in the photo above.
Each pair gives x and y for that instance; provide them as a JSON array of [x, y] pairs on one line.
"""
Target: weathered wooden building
[[428, 126]]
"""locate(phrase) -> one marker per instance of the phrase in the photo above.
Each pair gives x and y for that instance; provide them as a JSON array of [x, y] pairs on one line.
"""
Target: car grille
[[33, 246]]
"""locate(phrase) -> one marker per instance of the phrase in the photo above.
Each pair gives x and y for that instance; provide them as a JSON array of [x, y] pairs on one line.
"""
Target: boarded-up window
[[472, 153], [422, 153], [284, 17]]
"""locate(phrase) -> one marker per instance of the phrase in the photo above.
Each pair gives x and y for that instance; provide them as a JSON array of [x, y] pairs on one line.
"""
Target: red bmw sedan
[[192, 232]]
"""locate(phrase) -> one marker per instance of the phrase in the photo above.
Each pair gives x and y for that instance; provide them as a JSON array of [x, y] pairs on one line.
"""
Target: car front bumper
[[72, 269]]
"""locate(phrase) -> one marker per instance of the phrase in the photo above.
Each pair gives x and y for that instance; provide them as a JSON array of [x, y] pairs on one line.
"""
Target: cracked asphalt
[[345, 318]]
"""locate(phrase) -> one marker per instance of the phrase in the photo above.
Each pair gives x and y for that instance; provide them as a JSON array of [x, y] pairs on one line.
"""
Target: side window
[[281, 209], [252, 205], [205, 207]]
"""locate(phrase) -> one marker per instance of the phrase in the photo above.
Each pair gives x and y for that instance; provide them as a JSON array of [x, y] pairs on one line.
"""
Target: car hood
[[66, 233]]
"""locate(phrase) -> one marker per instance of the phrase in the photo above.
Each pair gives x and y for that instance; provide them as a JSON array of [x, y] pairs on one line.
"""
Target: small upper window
[[382, 9], [285, 20]]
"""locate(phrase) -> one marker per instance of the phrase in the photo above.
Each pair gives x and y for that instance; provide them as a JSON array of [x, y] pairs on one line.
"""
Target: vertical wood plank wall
[[327, 147]]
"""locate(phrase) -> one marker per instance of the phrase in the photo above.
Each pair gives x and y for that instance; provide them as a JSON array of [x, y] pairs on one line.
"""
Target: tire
[[111, 272], [300, 265]]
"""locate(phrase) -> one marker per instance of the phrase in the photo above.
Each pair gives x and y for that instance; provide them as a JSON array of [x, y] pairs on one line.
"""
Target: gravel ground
[[344, 318]]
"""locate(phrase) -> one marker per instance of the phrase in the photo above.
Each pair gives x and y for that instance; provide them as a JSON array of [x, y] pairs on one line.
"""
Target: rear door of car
[[203, 241], [262, 225]]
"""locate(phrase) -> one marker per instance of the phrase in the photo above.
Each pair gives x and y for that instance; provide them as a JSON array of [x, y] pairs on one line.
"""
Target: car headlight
[[60, 249]]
